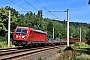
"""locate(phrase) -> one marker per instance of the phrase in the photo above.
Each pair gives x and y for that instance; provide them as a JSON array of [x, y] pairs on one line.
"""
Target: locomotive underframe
[[25, 43]]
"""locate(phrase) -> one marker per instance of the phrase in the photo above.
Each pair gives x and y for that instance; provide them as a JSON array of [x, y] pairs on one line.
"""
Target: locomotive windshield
[[22, 31]]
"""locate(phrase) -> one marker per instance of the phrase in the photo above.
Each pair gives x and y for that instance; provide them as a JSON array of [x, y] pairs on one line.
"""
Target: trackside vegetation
[[37, 21], [39, 58], [77, 51]]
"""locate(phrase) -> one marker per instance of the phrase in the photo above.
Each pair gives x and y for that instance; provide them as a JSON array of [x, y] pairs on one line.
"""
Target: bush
[[4, 42], [3, 38], [81, 45], [68, 48]]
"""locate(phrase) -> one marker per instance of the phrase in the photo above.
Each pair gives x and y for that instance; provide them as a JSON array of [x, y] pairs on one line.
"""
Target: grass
[[60, 50], [39, 58], [4, 44]]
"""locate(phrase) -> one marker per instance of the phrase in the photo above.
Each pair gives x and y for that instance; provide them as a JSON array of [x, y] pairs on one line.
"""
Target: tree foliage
[[88, 36], [4, 12]]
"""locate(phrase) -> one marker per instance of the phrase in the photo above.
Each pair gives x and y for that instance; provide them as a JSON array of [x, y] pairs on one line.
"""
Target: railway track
[[12, 54]]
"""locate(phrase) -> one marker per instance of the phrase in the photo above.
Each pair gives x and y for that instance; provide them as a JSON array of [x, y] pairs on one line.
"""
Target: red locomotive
[[26, 36]]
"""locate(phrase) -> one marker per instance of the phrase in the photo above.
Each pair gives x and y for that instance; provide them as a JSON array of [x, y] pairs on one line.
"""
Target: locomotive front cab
[[20, 36]]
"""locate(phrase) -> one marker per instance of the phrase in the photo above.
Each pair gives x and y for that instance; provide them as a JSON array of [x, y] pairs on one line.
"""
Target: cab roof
[[40, 31]]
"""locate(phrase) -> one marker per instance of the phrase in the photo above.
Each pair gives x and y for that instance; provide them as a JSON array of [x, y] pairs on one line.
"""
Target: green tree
[[4, 12], [50, 29], [88, 36]]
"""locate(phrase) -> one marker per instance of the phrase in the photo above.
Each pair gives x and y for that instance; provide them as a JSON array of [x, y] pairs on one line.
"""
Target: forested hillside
[[36, 21]]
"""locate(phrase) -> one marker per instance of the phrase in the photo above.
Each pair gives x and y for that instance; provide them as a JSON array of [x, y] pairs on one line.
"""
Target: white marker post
[[53, 33], [9, 30], [67, 27], [67, 24], [80, 34]]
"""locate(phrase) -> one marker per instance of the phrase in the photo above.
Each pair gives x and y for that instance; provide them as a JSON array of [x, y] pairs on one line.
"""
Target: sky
[[79, 10]]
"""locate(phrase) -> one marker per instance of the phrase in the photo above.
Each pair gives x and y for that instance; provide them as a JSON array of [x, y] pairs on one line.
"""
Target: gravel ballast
[[43, 55]]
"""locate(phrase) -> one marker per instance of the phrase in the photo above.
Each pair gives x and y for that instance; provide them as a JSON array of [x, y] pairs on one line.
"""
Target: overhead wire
[[48, 10], [17, 4], [30, 5], [33, 7]]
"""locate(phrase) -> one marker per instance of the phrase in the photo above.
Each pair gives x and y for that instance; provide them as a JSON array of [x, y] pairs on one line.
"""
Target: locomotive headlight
[[16, 36], [24, 37]]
